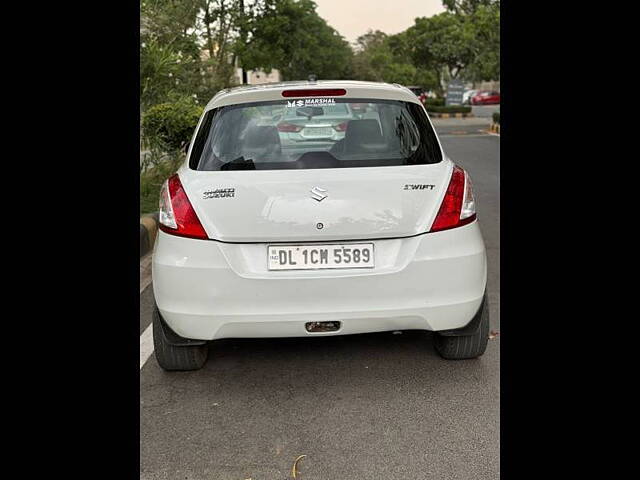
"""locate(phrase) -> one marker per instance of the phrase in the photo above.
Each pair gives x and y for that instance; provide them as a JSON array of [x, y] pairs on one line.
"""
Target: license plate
[[318, 257], [317, 132]]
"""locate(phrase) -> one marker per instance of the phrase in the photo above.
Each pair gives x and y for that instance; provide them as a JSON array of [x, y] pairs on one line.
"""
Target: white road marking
[[146, 345], [146, 339], [144, 284], [145, 272]]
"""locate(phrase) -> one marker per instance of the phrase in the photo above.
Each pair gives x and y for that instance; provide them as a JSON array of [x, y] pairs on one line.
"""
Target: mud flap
[[175, 340], [472, 327]]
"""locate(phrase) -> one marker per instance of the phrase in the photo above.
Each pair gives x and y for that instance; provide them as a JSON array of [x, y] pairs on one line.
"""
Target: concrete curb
[[495, 128], [148, 232], [450, 115]]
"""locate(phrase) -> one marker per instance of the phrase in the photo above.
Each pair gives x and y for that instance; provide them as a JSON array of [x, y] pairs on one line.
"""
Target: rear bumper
[[209, 290]]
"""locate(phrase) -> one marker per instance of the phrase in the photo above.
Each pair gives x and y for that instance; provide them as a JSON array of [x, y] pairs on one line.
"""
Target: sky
[[352, 18]]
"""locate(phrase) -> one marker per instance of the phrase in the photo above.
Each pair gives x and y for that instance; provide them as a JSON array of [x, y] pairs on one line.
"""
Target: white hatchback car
[[372, 232]]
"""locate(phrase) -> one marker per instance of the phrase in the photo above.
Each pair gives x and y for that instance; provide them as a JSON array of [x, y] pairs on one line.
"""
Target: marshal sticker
[[219, 193], [311, 102]]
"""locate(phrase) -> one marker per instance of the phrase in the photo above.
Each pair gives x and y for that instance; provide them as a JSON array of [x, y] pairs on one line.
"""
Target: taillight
[[288, 127], [315, 92], [341, 127], [458, 205], [177, 215]]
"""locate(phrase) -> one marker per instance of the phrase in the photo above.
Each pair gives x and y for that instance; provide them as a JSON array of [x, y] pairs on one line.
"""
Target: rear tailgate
[[279, 206]]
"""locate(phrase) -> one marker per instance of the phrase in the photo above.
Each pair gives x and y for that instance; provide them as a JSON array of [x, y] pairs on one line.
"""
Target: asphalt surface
[[484, 111], [359, 407]]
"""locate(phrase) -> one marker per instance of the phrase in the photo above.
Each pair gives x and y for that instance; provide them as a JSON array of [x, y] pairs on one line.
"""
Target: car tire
[[461, 347], [172, 357]]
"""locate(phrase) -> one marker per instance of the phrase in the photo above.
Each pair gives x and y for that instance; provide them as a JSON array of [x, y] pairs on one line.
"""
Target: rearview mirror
[[309, 112], [358, 108]]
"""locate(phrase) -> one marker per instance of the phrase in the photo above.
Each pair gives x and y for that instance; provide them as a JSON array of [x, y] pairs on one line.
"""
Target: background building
[[257, 77]]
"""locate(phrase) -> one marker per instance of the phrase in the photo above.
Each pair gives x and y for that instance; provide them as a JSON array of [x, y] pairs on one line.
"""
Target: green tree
[[187, 46], [443, 43], [372, 56], [169, 50], [158, 66], [387, 58], [486, 31], [218, 26], [482, 20], [467, 7], [290, 36]]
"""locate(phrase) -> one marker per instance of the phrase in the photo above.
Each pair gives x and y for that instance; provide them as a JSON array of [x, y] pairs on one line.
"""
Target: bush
[[449, 109], [496, 117], [169, 126], [149, 193], [434, 102], [150, 182], [166, 129]]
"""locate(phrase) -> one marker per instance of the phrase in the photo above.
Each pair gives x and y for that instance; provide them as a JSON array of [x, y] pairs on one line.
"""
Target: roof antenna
[[313, 78]]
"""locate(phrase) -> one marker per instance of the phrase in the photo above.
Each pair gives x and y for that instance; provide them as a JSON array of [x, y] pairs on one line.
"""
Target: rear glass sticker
[[311, 102]]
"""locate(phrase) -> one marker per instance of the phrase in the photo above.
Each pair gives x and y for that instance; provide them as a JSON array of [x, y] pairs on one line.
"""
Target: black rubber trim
[[175, 340], [471, 327], [289, 242]]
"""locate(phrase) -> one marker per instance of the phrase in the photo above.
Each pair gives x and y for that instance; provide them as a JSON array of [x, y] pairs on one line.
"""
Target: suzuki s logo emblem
[[318, 193]]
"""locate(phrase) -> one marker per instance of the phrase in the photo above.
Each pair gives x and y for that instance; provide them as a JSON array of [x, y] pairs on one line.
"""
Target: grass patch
[[149, 194]]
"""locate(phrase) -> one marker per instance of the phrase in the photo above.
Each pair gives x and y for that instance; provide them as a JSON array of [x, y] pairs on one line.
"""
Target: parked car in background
[[422, 93], [416, 90], [486, 97], [466, 96], [309, 124]]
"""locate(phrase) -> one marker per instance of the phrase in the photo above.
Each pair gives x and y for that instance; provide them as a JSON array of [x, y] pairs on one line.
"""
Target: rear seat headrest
[[361, 133]]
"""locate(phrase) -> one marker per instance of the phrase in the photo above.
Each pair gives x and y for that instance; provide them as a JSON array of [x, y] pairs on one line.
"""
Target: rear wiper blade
[[239, 164]]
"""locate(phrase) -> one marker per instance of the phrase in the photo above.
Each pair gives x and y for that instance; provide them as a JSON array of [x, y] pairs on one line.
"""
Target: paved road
[[484, 110], [478, 124], [360, 407]]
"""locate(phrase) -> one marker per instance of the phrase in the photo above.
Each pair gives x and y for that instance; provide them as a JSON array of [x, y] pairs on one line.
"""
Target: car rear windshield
[[314, 133]]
